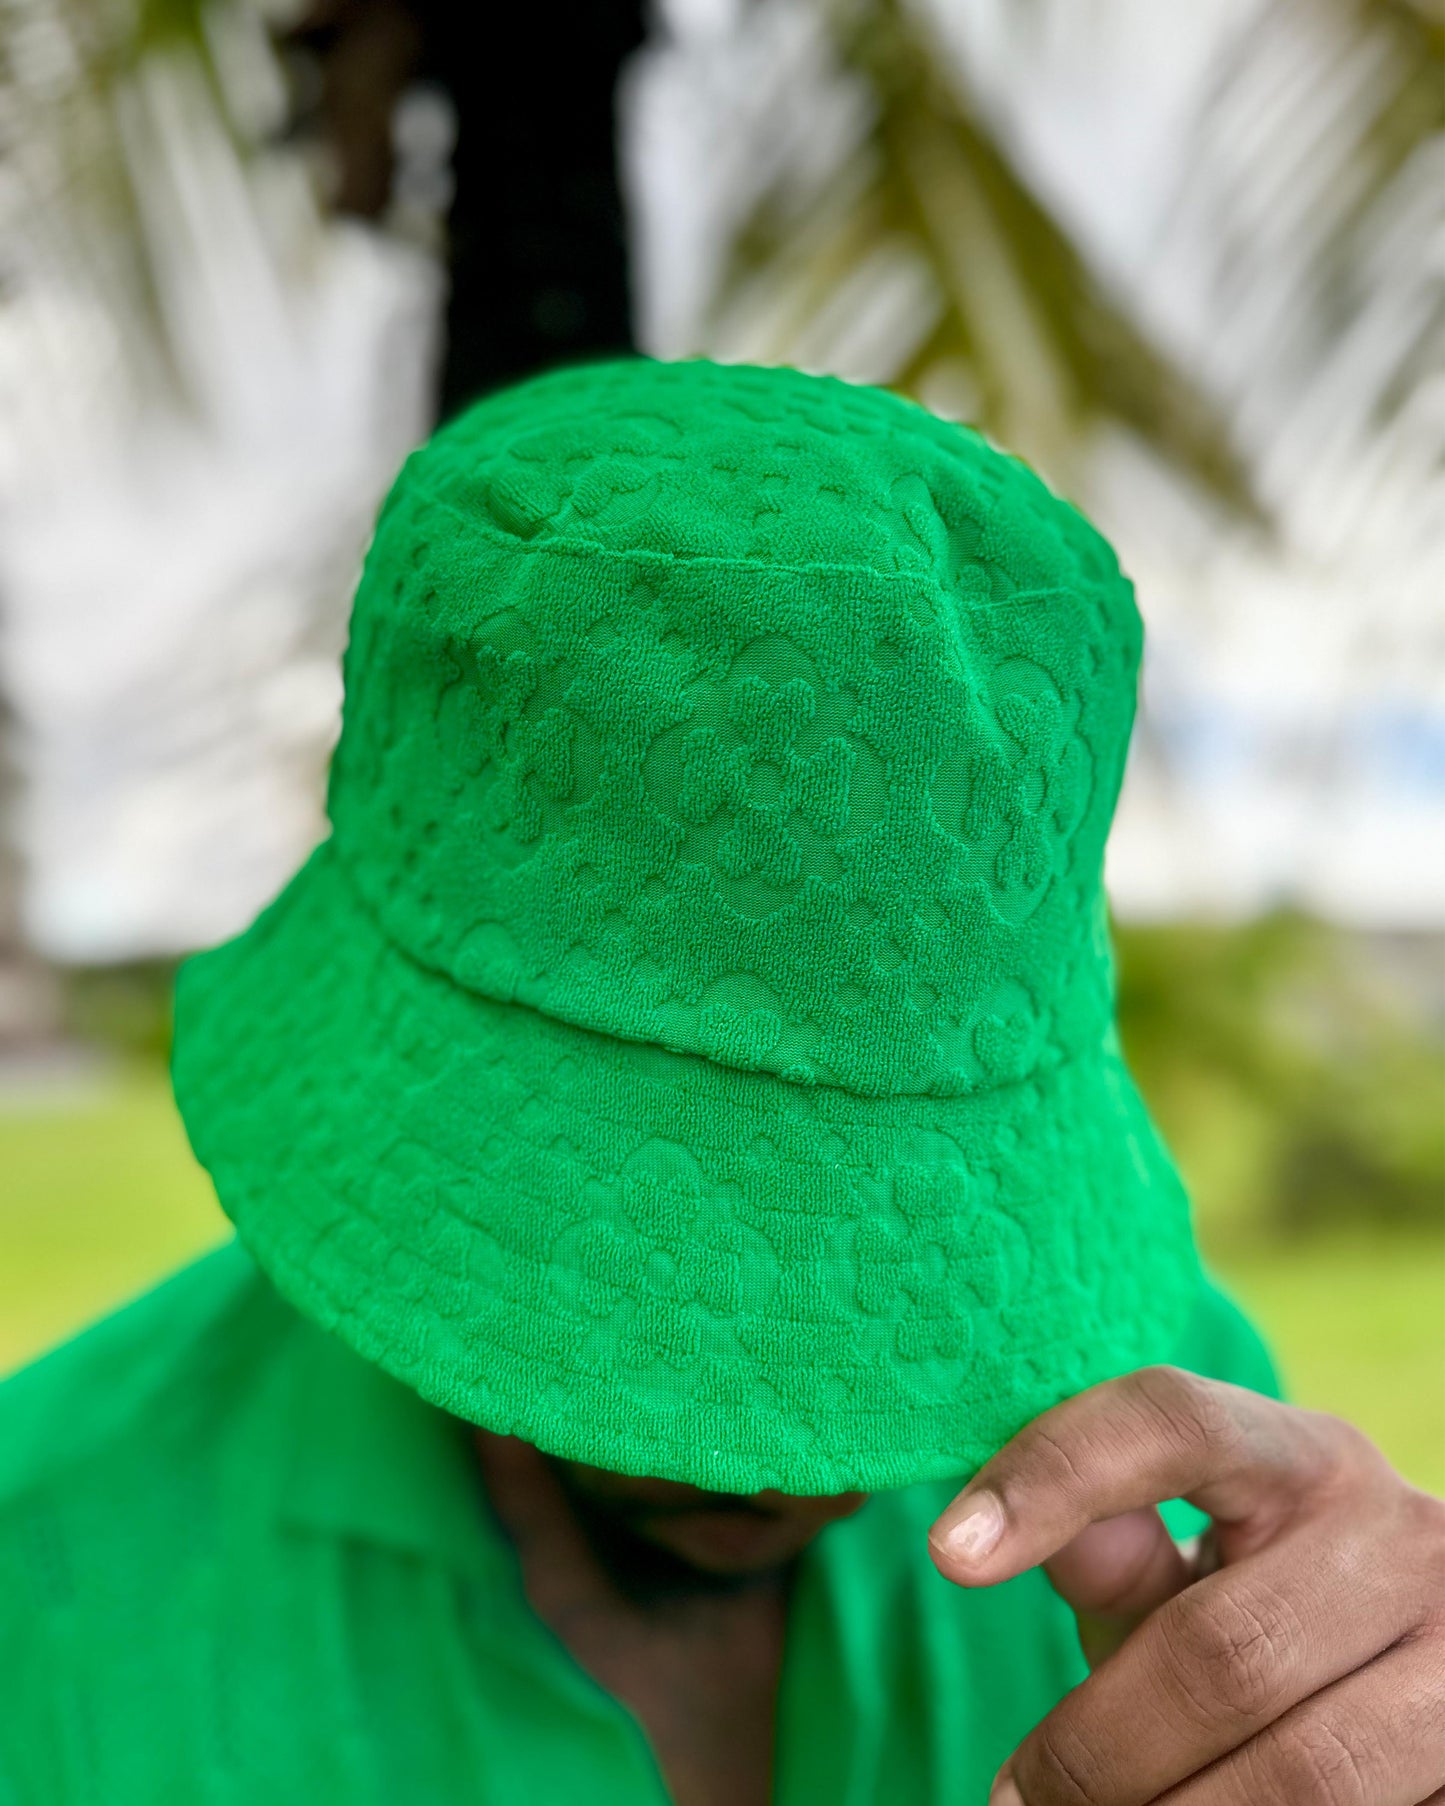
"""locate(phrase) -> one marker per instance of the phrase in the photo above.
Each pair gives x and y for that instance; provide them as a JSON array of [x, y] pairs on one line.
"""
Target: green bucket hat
[[693, 1049]]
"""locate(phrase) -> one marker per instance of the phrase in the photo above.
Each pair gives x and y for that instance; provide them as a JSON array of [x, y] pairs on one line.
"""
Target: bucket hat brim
[[659, 1265]]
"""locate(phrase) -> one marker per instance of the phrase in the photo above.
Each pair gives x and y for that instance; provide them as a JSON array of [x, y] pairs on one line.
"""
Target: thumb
[[1114, 1573]]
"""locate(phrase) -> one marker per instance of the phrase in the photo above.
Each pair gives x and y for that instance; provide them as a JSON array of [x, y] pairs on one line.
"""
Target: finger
[[1157, 1434], [1120, 1567], [1212, 1667], [1376, 1738], [1114, 1574]]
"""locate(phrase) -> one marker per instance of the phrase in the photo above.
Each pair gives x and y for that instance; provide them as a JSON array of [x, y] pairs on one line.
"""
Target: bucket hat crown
[[693, 1048]]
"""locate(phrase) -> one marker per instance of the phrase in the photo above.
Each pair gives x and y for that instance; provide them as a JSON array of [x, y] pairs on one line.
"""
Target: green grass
[[100, 1196], [1357, 1324]]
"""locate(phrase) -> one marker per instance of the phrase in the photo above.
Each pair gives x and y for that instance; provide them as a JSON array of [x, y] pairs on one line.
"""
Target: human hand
[[1297, 1660]]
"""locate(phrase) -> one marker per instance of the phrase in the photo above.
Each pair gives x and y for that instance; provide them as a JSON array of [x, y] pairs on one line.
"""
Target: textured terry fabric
[[693, 1049], [240, 1565]]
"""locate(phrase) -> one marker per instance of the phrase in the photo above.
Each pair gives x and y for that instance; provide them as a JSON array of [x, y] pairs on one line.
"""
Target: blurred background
[[1189, 261]]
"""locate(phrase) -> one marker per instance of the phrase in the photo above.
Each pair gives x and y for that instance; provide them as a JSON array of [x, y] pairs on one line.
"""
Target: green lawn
[[1358, 1326], [99, 1195]]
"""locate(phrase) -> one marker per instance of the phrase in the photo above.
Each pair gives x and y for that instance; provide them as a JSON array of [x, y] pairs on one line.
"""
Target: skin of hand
[[1298, 1659]]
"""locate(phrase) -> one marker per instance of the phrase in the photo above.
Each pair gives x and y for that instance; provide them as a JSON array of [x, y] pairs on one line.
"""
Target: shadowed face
[[724, 1535]]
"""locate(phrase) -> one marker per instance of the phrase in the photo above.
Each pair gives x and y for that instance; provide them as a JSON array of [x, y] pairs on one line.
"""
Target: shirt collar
[[367, 1458]]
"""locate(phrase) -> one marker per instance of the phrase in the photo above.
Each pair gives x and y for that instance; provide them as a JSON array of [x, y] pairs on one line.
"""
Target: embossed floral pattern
[[691, 1050], [762, 780]]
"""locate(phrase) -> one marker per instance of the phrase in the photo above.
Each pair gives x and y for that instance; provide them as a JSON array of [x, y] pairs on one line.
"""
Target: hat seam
[[718, 1155], [935, 1123], [796, 1086], [590, 548], [342, 1205]]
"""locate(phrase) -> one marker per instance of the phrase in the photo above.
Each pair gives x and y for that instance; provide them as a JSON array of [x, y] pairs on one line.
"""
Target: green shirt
[[238, 1564]]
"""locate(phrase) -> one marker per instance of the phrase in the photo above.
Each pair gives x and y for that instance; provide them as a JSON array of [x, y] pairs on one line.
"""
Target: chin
[[728, 1544]]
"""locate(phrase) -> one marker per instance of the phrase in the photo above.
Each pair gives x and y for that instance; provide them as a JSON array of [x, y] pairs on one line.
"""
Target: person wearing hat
[[710, 1318]]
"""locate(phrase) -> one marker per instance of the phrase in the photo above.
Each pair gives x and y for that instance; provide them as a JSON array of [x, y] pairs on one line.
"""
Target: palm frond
[[1019, 322], [96, 100], [1320, 157]]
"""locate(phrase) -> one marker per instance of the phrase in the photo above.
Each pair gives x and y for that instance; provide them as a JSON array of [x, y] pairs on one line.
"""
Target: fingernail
[[977, 1532], [1005, 1793]]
